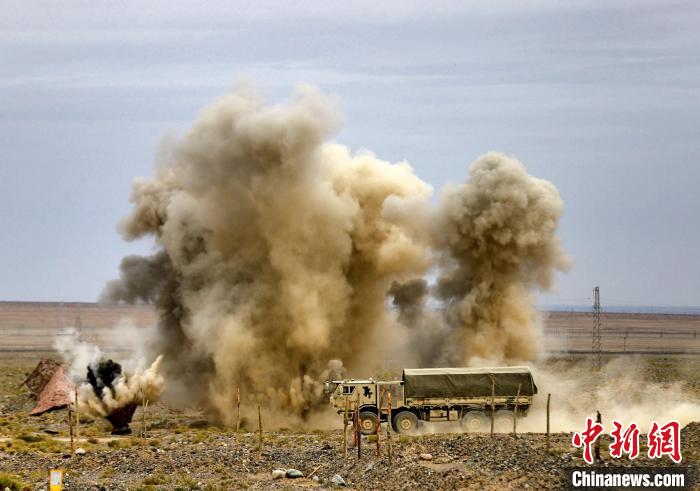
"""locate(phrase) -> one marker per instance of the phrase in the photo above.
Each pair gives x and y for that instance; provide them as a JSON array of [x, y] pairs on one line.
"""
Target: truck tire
[[503, 421], [475, 422], [368, 423], [406, 423]]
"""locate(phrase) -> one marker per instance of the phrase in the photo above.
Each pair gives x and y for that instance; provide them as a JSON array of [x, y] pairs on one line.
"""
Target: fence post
[[260, 427], [358, 434], [388, 427], [70, 429], [238, 408], [599, 420], [549, 396], [379, 424], [515, 413], [77, 417], [345, 428], [493, 401]]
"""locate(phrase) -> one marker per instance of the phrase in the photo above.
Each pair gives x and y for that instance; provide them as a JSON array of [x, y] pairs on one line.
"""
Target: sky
[[601, 98]]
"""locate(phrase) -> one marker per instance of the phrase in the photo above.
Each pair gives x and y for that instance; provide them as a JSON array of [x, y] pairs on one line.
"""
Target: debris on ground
[[337, 480]]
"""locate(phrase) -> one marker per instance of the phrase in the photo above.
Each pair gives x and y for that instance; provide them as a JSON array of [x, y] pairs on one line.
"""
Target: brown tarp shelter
[[467, 382], [50, 385], [41, 375]]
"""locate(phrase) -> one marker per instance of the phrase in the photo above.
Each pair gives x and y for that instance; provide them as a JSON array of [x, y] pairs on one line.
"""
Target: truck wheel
[[503, 421], [475, 422], [368, 423], [406, 423]]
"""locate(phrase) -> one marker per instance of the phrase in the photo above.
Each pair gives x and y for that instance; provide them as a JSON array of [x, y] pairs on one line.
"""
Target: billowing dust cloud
[[279, 254], [101, 397], [622, 390], [498, 242], [105, 388], [277, 249]]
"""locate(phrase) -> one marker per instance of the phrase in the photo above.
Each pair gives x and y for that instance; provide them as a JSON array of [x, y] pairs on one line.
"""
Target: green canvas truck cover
[[467, 382]]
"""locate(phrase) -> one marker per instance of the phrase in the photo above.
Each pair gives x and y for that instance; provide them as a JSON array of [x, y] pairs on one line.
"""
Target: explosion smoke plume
[[102, 396], [109, 387], [277, 250], [497, 234]]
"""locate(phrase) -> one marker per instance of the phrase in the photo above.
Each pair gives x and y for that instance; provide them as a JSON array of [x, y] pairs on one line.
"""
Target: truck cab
[[369, 397]]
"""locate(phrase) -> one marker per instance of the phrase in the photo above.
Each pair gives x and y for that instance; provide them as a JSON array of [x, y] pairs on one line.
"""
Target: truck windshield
[[329, 387]]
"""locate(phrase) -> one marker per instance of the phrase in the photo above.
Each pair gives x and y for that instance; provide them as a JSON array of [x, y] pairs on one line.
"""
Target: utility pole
[[596, 328]]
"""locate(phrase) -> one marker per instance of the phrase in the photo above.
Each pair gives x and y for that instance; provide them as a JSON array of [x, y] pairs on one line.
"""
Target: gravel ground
[[224, 461], [184, 452]]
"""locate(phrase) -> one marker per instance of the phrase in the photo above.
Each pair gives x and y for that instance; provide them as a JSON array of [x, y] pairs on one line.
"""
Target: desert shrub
[[155, 479], [29, 438], [8, 481], [48, 446], [187, 483], [119, 443]]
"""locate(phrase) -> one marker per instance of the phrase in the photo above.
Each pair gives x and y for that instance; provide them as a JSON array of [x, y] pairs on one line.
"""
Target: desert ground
[[185, 449]]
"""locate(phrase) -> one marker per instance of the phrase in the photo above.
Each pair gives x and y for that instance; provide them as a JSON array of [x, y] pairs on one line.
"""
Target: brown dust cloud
[[284, 259]]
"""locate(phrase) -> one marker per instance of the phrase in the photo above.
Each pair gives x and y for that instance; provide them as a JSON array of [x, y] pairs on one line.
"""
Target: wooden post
[[549, 397], [354, 425], [599, 420], [388, 426], [143, 400], [144, 420], [358, 435], [77, 417], [70, 428], [260, 443], [378, 432], [515, 413], [493, 401], [345, 429], [238, 408]]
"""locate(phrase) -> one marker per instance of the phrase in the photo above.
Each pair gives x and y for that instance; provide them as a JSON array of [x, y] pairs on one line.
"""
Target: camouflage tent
[[37, 380], [468, 382], [50, 385]]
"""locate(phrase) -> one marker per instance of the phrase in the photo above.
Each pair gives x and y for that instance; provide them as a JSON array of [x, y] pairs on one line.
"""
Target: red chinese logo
[[587, 438], [627, 442], [665, 440], [661, 440]]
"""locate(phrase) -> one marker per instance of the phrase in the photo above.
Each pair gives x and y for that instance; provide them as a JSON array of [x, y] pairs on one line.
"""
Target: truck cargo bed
[[467, 383]]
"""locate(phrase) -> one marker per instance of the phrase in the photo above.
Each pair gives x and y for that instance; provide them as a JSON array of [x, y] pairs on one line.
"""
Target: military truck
[[438, 395]]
